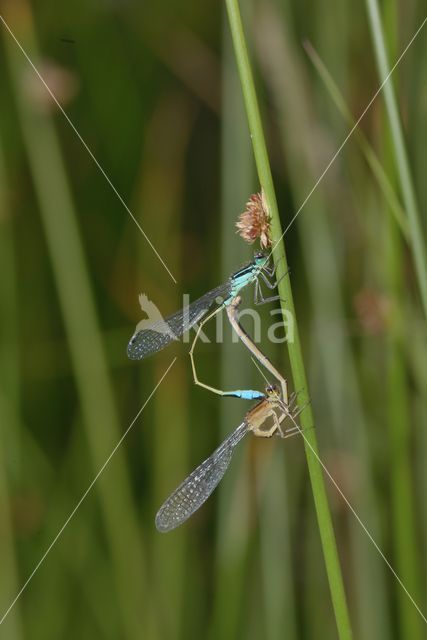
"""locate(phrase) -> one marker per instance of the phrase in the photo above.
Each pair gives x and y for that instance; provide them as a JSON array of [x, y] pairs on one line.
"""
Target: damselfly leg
[[259, 297], [246, 394]]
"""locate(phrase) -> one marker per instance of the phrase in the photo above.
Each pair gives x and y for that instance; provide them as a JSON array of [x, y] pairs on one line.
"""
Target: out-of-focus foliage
[[152, 90]]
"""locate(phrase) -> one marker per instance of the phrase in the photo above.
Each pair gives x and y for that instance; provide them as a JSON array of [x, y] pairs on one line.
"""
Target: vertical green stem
[[232, 531], [96, 397], [9, 376], [403, 508], [401, 157], [401, 489], [295, 354]]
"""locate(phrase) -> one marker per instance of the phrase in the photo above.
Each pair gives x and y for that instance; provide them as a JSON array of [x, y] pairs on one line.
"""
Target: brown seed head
[[254, 222]]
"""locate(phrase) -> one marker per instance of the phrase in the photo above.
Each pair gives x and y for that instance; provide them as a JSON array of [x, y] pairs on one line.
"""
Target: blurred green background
[[152, 89]]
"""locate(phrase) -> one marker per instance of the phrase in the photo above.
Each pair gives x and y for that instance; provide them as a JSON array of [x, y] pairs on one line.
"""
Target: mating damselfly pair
[[263, 420]]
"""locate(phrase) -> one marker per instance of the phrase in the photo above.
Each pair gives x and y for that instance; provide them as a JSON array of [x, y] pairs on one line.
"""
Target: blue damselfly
[[161, 333]]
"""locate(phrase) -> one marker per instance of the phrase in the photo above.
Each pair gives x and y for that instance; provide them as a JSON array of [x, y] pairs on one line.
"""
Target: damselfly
[[157, 336], [263, 420]]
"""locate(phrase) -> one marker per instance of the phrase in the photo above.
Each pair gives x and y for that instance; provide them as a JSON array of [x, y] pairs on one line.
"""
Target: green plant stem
[[334, 358], [295, 353], [232, 530], [403, 507], [95, 392], [10, 383], [371, 158], [401, 157], [401, 487]]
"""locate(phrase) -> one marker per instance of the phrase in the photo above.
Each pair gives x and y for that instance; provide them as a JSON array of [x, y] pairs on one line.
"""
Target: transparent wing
[[198, 486], [154, 338]]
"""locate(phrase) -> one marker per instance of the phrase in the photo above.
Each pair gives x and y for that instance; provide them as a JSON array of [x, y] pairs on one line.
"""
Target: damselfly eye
[[271, 389], [259, 255]]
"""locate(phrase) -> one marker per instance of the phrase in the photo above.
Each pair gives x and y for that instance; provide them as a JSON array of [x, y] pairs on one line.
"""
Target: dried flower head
[[254, 222]]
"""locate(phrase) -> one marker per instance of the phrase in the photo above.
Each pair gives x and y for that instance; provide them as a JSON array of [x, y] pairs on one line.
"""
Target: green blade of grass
[[163, 155], [232, 526], [367, 150], [401, 158], [333, 363], [403, 510], [295, 351], [9, 376], [92, 379], [276, 548], [401, 486]]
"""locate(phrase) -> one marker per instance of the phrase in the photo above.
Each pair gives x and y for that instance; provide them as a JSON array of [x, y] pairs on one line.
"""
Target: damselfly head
[[260, 259], [272, 391]]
